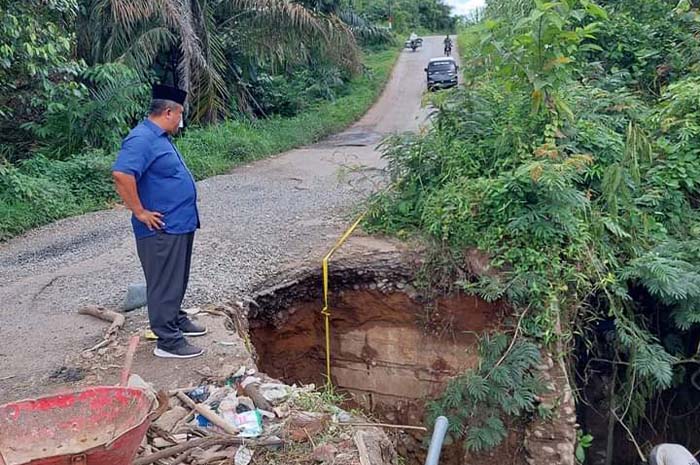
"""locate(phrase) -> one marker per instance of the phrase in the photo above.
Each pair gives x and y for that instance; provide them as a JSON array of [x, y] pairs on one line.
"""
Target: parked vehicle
[[441, 73]]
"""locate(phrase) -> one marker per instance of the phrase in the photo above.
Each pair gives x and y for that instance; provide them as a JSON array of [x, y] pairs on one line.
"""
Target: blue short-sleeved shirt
[[164, 183]]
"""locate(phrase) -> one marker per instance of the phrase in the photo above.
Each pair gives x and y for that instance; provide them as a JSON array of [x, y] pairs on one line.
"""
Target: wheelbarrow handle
[[129, 360]]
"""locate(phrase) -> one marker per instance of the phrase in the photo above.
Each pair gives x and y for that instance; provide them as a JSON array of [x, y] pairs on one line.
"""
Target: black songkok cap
[[161, 92]]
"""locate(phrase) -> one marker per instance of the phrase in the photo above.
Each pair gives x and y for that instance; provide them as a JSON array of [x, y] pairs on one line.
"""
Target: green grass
[[43, 190]]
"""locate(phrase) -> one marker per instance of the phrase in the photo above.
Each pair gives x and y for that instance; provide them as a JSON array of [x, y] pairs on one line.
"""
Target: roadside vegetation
[[263, 76], [563, 178]]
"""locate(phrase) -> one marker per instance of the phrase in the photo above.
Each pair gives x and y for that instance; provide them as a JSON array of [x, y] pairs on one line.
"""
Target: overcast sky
[[462, 7]]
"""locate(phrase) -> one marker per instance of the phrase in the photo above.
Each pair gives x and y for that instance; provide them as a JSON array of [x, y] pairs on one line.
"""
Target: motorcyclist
[[413, 41], [671, 454], [448, 44]]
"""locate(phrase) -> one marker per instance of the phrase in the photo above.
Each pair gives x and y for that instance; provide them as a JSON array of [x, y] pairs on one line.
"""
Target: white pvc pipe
[[435, 448]]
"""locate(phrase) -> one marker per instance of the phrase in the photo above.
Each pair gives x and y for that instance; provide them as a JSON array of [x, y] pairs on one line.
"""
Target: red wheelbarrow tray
[[94, 426]]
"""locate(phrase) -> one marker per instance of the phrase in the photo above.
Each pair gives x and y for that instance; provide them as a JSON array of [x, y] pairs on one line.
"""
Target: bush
[[91, 114], [584, 215]]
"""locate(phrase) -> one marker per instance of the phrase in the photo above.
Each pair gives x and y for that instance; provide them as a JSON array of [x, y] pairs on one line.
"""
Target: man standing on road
[[154, 183]]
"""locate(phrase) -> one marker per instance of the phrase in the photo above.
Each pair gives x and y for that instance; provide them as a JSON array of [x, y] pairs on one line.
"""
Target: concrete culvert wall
[[391, 348]]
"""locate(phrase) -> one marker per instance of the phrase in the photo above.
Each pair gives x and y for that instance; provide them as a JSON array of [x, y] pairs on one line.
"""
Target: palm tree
[[194, 39]]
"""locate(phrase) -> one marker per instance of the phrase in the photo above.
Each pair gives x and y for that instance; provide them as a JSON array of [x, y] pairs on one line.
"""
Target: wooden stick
[[180, 459], [385, 425], [362, 448], [208, 413], [129, 360], [631, 436], [102, 313], [163, 405], [203, 442], [173, 392]]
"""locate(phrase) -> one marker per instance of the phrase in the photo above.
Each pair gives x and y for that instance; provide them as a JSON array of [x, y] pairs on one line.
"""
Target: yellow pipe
[[326, 311]]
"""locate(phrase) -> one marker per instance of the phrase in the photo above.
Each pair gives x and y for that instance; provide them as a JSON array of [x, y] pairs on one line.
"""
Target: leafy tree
[[196, 40], [95, 112], [35, 55], [407, 15]]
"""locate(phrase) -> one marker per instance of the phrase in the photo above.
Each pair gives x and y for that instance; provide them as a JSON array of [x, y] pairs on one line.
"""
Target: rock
[[324, 453], [135, 297], [548, 450], [169, 419]]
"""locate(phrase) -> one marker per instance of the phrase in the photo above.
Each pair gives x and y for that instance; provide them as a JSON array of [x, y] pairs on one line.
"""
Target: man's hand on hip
[[126, 187], [153, 220]]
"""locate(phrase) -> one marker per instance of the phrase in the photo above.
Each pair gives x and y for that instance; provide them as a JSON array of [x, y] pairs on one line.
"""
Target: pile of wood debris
[[248, 418]]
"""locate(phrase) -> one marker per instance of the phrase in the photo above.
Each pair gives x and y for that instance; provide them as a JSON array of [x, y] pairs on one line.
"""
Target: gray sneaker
[[190, 328], [185, 351]]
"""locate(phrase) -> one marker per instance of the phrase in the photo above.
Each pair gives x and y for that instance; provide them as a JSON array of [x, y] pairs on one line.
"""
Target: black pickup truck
[[441, 73]]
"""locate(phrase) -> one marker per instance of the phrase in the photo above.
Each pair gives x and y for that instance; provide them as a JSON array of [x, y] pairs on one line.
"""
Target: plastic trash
[[203, 422], [241, 413], [250, 424], [274, 393], [245, 404], [228, 407], [199, 394], [340, 415], [250, 380], [136, 381], [243, 456]]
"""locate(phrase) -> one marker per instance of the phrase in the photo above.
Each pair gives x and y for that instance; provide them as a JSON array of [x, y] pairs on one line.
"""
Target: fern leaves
[[503, 384]]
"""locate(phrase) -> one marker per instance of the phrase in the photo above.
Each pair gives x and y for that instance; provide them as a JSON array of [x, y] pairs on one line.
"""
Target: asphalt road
[[255, 220]]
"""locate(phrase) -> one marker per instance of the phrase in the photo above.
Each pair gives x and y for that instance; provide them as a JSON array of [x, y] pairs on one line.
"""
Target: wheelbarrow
[[95, 426]]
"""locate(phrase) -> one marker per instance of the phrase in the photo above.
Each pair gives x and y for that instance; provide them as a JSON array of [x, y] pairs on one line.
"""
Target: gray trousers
[[165, 259]]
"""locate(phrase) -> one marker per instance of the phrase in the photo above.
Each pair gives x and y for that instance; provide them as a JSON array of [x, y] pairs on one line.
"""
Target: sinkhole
[[392, 349]]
